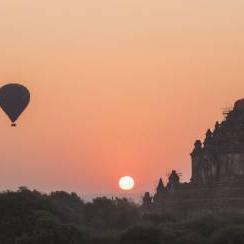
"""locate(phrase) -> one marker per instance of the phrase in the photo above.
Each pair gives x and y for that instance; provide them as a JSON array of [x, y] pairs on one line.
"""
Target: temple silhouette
[[217, 182]]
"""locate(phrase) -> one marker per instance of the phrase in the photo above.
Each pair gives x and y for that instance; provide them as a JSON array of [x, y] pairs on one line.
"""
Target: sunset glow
[[126, 183], [116, 86]]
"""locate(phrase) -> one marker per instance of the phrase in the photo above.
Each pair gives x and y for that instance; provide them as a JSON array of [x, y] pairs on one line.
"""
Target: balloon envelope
[[14, 98]]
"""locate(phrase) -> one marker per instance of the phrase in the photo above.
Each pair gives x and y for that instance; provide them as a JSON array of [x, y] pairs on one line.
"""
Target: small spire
[[160, 192], [160, 187], [174, 181], [208, 133], [147, 199], [208, 139], [198, 144], [217, 125], [197, 148]]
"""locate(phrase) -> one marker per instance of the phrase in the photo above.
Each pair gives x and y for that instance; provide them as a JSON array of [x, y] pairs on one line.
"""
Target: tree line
[[31, 217]]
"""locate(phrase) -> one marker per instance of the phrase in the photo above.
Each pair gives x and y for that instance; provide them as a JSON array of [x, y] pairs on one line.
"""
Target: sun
[[126, 183]]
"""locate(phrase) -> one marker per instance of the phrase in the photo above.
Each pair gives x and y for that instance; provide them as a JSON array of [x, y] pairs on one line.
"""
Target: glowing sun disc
[[126, 183]]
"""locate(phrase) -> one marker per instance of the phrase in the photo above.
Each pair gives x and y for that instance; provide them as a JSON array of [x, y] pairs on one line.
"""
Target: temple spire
[[160, 187], [160, 192]]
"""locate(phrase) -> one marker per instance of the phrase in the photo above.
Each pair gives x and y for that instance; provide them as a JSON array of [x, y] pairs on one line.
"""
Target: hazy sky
[[119, 87]]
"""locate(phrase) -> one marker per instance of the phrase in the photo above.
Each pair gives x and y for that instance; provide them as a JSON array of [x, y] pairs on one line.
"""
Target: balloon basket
[[13, 125]]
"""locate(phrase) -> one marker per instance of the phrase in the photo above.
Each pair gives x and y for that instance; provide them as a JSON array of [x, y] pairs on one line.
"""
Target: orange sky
[[119, 87]]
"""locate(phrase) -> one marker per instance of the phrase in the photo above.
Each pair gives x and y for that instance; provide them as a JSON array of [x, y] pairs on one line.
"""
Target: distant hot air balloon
[[14, 98]]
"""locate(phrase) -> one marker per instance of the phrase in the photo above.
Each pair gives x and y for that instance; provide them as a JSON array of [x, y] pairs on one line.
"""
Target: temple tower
[[221, 155]]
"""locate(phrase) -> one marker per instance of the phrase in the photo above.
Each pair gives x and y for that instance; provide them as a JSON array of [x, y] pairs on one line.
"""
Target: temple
[[217, 182]]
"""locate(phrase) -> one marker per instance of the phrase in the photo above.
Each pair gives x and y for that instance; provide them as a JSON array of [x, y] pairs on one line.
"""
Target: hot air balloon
[[14, 98]]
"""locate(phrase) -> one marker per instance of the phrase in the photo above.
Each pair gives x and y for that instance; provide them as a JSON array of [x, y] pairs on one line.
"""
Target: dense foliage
[[29, 217]]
